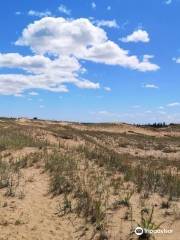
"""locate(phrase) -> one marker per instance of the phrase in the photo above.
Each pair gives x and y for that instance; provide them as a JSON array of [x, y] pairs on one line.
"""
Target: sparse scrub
[[92, 203], [88, 188], [16, 138], [145, 177], [29, 160], [61, 168], [9, 177]]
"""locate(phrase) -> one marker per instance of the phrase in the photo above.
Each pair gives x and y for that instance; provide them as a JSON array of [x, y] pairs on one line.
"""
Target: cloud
[[34, 64], [168, 2], [108, 89], [151, 86], [59, 36], [79, 38], [39, 14], [137, 36], [59, 47], [110, 53], [93, 5], [41, 73], [107, 23], [63, 9], [174, 104], [177, 60], [86, 84]]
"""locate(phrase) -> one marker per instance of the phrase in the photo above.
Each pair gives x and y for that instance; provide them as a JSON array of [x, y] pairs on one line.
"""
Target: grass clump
[[62, 172], [83, 188], [148, 224], [9, 177]]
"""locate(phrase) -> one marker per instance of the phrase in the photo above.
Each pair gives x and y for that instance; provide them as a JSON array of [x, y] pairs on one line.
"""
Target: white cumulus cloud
[[82, 39], [41, 73], [137, 36], [58, 47]]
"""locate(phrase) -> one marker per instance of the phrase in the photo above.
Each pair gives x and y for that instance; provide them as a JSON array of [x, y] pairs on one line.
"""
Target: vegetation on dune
[[89, 172], [9, 177], [69, 176], [18, 137]]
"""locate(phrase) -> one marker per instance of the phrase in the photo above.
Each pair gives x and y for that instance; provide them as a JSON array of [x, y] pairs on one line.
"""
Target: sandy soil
[[34, 217]]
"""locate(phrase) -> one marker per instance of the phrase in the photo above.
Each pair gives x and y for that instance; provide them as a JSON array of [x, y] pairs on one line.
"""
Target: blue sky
[[91, 61]]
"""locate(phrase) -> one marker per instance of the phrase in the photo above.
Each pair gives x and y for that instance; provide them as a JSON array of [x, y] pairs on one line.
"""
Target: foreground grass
[[77, 180]]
